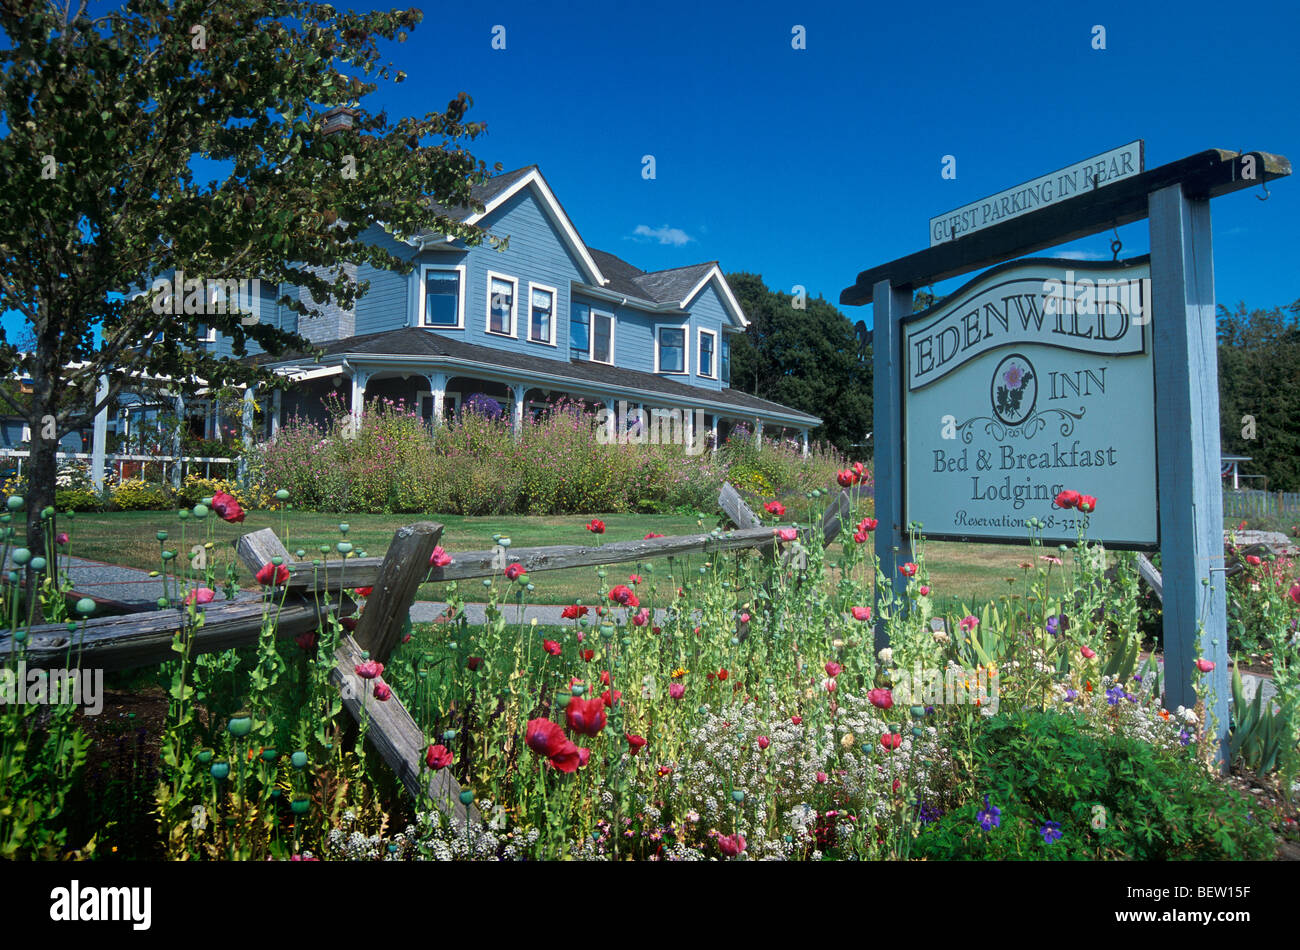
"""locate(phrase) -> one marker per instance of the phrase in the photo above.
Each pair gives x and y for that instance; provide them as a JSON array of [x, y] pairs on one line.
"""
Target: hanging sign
[[1036, 377]]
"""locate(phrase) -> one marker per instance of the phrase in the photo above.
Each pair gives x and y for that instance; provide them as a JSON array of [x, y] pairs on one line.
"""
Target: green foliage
[[808, 359], [1040, 767], [1259, 376], [138, 495]]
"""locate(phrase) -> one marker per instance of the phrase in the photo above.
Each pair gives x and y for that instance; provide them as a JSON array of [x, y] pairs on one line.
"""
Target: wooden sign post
[[1183, 348]]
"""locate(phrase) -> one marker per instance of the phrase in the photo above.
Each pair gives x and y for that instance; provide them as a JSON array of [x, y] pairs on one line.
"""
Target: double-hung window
[[602, 337], [707, 344], [442, 296], [541, 320], [501, 304], [671, 351], [579, 332]]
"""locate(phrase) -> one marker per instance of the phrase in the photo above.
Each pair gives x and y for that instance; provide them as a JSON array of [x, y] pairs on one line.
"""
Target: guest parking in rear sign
[[1035, 377]]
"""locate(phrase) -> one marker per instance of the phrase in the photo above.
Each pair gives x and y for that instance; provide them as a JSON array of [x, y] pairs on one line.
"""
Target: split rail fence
[[314, 593]]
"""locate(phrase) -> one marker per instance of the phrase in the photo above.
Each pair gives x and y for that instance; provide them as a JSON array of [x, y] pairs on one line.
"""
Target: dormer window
[[708, 343], [541, 319]]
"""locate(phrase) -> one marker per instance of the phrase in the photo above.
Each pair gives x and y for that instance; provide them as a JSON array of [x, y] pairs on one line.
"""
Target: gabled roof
[[412, 343], [676, 286]]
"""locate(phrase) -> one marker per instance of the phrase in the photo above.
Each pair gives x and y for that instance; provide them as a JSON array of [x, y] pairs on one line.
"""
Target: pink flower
[[764, 742], [833, 669], [862, 613], [200, 595], [551, 647], [676, 690], [634, 743], [744, 618], [925, 590], [62, 539], [382, 692], [227, 508], [641, 617], [881, 698], [1294, 592], [369, 670], [1253, 560], [786, 534], [731, 845], [969, 623], [1204, 665], [622, 594], [821, 778], [796, 720], [830, 685], [1088, 652], [439, 557]]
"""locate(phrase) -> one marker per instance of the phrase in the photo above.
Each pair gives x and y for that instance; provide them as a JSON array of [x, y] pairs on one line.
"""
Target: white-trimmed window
[[602, 337], [502, 296], [726, 360], [706, 354], [671, 354], [442, 297], [542, 306]]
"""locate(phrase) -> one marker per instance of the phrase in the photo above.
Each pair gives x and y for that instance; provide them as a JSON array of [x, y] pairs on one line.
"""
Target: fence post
[[101, 438], [387, 608]]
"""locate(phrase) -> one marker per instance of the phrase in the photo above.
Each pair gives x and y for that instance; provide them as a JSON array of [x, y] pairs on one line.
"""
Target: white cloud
[[675, 237], [1082, 256]]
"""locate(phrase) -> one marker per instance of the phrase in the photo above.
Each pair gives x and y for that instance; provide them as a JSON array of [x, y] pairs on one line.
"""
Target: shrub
[[196, 487], [1039, 767], [77, 499], [135, 494]]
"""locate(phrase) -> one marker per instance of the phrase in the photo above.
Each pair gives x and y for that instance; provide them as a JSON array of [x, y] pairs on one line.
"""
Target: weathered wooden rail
[[313, 593]]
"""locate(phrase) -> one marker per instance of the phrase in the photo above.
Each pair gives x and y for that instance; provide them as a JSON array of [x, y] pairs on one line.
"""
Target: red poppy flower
[[635, 743], [891, 740], [860, 537], [764, 742], [622, 594], [305, 640], [796, 719], [227, 508], [276, 574], [611, 698], [596, 526], [845, 478], [1253, 560], [908, 570], [584, 756], [859, 471], [473, 662], [586, 717], [1204, 665], [1294, 592], [573, 612], [513, 571], [731, 845], [723, 674], [641, 617], [635, 579], [551, 647], [862, 613], [439, 557], [382, 692], [868, 524], [1087, 504], [604, 677], [568, 757], [544, 737], [786, 534], [881, 698], [349, 624], [775, 508], [586, 655], [651, 535], [365, 591], [1088, 652], [833, 668], [439, 757], [1067, 499], [199, 595], [369, 670]]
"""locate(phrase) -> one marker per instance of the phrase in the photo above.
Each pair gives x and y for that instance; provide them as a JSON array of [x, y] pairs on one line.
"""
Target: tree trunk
[[42, 465]]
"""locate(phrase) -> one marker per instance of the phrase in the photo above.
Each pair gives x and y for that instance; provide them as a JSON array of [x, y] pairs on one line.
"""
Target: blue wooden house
[[544, 319]]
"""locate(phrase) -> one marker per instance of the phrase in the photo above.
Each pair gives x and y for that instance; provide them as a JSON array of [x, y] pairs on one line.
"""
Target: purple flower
[[927, 813], [1071, 695], [1114, 695], [1012, 377], [1051, 831], [1184, 737], [1053, 625], [990, 816]]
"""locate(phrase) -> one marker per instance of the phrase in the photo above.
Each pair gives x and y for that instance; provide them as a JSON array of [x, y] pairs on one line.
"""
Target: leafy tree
[[1259, 377], [106, 123], [809, 359]]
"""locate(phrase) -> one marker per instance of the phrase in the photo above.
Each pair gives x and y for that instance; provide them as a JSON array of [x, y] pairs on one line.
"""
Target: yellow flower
[[680, 672]]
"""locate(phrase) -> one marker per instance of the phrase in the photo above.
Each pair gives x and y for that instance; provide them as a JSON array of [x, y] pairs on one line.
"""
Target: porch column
[[758, 433], [611, 423], [804, 433], [359, 379], [100, 441], [246, 429], [517, 417], [178, 442], [438, 386], [276, 405]]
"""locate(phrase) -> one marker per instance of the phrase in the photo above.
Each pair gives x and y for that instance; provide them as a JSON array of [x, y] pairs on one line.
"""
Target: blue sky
[[808, 166]]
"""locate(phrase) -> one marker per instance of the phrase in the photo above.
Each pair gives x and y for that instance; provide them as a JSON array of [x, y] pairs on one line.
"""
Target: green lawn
[[959, 572]]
